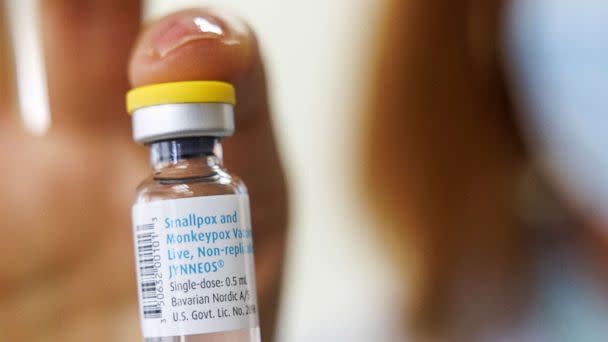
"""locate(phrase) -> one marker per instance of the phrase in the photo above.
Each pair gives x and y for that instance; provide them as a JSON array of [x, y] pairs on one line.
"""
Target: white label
[[195, 268]]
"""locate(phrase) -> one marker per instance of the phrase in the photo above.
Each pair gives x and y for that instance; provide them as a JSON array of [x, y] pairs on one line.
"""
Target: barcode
[[148, 271], [147, 226]]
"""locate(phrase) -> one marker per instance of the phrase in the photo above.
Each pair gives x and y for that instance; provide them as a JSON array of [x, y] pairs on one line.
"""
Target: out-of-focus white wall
[[339, 285]]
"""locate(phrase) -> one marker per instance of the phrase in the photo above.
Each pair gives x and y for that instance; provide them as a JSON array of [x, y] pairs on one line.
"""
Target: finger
[[209, 45], [7, 94], [87, 45]]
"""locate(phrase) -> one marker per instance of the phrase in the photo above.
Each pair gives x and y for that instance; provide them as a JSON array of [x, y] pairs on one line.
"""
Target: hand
[[66, 268]]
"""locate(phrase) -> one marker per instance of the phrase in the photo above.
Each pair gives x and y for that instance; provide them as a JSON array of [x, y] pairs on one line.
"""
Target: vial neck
[[186, 157]]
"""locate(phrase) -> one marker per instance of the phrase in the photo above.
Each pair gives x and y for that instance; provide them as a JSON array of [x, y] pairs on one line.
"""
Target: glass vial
[[191, 220]]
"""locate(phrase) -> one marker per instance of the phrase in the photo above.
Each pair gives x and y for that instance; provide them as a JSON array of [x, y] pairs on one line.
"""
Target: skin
[[67, 270]]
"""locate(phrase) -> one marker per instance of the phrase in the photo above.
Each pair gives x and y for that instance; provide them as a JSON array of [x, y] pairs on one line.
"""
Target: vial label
[[195, 265]]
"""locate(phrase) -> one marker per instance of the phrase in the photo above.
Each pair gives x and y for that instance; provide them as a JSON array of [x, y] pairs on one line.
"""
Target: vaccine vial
[[191, 221]]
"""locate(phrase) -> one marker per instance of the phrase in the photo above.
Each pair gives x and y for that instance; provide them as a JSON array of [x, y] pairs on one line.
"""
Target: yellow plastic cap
[[180, 92]]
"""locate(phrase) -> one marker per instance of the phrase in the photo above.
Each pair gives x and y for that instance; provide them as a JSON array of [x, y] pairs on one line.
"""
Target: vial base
[[243, 335]]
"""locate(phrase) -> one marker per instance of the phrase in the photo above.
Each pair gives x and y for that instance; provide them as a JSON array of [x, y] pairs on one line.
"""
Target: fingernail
[[187, 29]]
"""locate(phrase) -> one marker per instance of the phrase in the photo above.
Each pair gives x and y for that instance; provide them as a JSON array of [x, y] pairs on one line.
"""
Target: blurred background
[[472, 132]]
